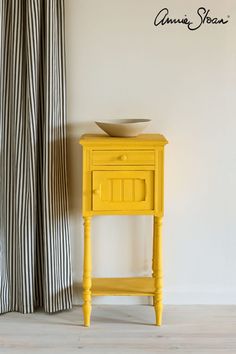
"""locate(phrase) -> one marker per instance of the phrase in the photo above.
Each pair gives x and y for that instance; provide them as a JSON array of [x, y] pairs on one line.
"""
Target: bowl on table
[[123, 127]]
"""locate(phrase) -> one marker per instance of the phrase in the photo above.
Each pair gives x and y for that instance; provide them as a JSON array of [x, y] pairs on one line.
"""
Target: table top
[[91, 139]]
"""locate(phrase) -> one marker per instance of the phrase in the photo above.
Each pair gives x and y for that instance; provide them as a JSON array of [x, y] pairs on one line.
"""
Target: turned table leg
[[87, 282], [154, 256], [157, 268]]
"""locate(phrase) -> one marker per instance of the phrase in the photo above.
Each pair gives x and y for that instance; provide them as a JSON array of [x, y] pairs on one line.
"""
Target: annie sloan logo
[[204, 17]]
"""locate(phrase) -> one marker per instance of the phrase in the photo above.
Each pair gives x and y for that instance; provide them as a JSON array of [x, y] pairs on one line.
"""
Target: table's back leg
[[157, 268], [87, 282]]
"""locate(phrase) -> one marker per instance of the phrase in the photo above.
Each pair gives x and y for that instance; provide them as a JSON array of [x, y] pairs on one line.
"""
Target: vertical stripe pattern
[[35, 259]]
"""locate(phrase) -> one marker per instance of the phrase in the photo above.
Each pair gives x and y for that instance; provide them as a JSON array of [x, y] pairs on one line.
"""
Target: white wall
[[120, 65]]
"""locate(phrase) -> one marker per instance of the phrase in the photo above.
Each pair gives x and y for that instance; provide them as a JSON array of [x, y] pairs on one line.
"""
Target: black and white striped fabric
[[35, 259]]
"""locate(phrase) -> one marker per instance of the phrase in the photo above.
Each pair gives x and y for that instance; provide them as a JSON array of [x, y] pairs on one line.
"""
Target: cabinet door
[[122, 190]]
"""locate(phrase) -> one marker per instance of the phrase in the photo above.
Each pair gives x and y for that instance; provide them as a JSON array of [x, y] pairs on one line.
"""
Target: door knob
[[96, 192]]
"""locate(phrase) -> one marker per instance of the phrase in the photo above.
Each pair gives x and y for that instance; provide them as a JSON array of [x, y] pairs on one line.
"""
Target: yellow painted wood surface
[[87, 282], [122, 190], [138, 286], [123, 176], [123, 157], [158, 276], [143, 140]]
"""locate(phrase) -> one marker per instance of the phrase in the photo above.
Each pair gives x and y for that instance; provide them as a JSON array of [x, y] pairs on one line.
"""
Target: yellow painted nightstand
[[123, 176]]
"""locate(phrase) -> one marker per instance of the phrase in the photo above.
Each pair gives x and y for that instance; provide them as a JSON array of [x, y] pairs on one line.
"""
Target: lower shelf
[[141, 286]]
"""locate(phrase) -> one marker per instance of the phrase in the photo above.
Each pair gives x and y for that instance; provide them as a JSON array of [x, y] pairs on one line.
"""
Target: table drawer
[[122, 190], [123, 157]]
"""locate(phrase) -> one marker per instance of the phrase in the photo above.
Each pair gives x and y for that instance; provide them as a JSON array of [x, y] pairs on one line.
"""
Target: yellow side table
[[123, 176]]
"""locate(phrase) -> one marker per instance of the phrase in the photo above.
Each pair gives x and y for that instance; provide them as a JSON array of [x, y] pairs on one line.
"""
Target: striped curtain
[[35, 259]]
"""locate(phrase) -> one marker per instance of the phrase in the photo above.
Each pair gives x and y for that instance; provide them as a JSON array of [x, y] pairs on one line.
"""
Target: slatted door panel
[[122, 190]]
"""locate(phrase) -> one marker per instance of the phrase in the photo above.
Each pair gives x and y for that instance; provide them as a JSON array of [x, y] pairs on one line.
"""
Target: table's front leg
[[157, 265], [87, 282], [154, 255]]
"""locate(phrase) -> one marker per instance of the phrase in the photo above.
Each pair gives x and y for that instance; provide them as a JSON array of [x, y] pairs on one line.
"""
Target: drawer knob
[[123, 157]]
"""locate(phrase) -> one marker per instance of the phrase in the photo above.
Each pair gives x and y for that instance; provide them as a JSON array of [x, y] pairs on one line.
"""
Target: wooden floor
[[122, 329]]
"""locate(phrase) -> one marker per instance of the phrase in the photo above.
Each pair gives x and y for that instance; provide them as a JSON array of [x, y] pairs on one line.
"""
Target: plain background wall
[[120, 65]]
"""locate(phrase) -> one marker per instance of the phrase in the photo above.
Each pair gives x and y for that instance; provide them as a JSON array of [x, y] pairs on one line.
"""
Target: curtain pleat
[[35, 258]]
